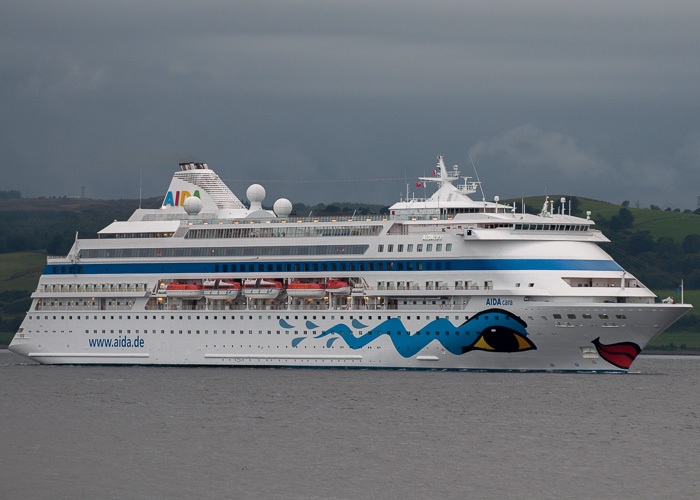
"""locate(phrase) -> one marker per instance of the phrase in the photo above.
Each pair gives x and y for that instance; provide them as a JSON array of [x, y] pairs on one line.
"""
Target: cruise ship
[[447, 282]]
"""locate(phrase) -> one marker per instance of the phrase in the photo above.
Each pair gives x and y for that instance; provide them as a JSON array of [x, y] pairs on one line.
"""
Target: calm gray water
[[129, 432]]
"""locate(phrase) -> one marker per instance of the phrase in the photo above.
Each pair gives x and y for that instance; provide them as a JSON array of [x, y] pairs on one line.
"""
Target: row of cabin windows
[[93, 287], [306, 267], [242, 317], [135, 235], [68, 269], [335, 266], [583, 316], [419, 247], [305, 317], [550, 227], [278, 332], [283, 231], [247, 251]]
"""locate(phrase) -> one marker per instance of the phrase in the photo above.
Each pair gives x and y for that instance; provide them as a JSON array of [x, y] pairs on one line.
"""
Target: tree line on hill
[[52, 231], [10, 195], [626, 204]]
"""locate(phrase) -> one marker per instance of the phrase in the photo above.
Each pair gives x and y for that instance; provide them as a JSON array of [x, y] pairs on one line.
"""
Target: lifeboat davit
[[338, 287], [221, 290], [300, 290], [262, 289], [184, 291]]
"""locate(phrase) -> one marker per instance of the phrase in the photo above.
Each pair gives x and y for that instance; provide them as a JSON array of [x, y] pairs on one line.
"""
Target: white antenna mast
[[140, 175], [405, 178], [483, 196]]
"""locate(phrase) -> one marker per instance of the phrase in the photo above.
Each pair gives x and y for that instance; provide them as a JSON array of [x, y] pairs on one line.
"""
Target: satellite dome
[[256, 194], [192, 205], [282, 207]]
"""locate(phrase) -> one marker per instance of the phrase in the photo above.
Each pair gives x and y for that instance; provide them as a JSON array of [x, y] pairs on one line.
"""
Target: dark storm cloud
[[595, 99]]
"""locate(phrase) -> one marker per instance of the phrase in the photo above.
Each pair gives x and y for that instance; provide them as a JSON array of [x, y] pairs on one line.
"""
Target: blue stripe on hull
[[335, 267]]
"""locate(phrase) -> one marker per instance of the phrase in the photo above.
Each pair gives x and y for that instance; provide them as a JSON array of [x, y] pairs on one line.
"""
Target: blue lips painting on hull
[[493, 330]]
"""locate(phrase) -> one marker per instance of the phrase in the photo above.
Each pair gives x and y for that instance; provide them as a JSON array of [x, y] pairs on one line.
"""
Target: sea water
[[156, 432]]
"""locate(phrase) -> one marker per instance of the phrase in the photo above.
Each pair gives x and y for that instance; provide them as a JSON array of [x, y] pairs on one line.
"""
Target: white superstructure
[[440, 283]]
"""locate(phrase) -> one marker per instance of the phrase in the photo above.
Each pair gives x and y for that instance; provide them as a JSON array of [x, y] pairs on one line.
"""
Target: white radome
[[255, 193], [192, 205], [282, 207]]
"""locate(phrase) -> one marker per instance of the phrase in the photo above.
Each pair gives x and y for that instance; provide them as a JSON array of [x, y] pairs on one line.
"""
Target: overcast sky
[[598, 99]]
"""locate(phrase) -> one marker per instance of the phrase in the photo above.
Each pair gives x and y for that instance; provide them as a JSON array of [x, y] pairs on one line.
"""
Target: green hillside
[[21, 270], [659, 223]]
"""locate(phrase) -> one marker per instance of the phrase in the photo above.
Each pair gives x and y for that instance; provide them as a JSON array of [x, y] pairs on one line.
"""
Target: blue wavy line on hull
[[455, 339]]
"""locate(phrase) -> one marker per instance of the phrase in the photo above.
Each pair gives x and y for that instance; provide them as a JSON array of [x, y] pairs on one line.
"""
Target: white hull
[[268, 338]]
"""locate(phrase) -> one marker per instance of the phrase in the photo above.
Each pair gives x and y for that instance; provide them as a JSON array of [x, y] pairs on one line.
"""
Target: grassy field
[[21, 271], [675, 227]]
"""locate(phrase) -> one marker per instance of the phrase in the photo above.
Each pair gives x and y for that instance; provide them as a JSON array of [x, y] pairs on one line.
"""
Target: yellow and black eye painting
[[500, 339], [501, 336]]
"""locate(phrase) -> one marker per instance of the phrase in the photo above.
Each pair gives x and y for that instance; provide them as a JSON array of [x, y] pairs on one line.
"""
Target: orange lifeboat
[[301, 290], [262, 289], [184, 291], [221, 290], [338, 287]]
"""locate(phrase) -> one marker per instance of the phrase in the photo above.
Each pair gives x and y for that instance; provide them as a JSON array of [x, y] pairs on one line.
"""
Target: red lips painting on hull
[[621, 354]]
